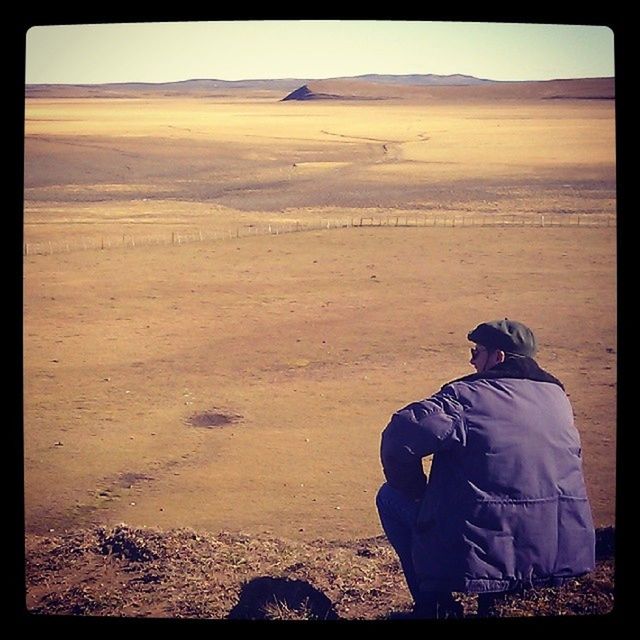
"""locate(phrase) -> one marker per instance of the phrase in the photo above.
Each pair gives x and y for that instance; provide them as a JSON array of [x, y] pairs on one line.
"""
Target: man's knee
[[382, 496], [388, 499], [396, 504]]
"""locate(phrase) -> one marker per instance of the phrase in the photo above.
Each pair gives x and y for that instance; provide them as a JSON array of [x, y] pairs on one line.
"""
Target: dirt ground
[[242, 384], [124, 572]]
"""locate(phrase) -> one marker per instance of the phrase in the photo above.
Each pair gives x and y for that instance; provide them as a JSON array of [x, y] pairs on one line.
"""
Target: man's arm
[[418, 430]]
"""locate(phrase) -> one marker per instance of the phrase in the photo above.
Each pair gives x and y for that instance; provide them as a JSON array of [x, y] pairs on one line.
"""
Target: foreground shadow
[[267, 598]]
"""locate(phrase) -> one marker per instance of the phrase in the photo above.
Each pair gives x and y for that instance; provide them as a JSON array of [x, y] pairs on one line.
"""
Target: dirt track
[[307, 341]]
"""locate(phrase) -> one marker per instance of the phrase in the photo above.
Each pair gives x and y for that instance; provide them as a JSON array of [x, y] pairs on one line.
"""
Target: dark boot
[[437, 605], [448, 607], [488, 604], [426, 607]]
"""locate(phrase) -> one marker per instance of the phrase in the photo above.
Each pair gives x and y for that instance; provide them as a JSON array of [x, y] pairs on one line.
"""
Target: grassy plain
[[307, 342]]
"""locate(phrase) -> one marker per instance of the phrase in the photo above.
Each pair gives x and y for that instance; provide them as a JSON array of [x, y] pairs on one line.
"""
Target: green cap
[[508, 335]]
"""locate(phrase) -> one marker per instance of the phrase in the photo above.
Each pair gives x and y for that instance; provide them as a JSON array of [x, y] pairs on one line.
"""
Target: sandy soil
[[301, 345]]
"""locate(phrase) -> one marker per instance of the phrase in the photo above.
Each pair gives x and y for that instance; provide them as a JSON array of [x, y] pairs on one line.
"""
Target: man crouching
[[505, 506]]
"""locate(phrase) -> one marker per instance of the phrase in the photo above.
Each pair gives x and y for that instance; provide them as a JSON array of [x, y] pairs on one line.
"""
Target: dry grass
[[124, 571]]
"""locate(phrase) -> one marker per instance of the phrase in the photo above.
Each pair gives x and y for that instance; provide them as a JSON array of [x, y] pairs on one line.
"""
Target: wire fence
[[128, 240]]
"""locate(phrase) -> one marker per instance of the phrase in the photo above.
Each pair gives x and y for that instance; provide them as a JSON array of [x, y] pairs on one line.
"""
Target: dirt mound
[[346, 90], [343, 90], [126, 571]]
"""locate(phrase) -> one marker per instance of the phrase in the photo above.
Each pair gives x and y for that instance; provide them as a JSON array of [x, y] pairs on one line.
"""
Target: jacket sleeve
[[418, 430]]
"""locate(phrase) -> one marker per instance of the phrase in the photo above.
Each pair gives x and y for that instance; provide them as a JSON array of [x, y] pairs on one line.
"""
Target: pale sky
[[240, 50]]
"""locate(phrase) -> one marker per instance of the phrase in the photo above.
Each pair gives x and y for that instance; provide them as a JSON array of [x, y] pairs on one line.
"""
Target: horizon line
[[307, 79]]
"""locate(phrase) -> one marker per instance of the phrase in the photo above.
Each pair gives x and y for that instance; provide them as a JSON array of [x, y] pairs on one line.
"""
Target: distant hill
[[197, 87], [364, 87], [448, 89], [421, 79], [347, 89]]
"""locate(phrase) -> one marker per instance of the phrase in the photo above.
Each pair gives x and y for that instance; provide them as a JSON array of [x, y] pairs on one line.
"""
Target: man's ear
[[500, 356]]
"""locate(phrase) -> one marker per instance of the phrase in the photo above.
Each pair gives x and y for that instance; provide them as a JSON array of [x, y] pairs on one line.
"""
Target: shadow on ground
[[266, 598]]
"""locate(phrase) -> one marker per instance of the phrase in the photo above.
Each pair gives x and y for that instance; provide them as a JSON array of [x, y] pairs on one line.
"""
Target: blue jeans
[[398, 514]]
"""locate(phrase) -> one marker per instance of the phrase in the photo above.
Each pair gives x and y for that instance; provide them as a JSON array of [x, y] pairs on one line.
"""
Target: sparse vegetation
[[133, 572], [281, 611]]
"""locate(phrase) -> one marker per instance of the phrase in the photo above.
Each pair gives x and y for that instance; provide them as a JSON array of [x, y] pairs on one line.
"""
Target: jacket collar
[[520, 367]]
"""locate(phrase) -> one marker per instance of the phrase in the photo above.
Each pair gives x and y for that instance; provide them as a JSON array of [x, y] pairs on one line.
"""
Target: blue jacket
[[505, 504]]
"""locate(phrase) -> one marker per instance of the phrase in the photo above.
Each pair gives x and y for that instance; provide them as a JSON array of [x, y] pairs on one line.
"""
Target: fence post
[[542, 221]]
